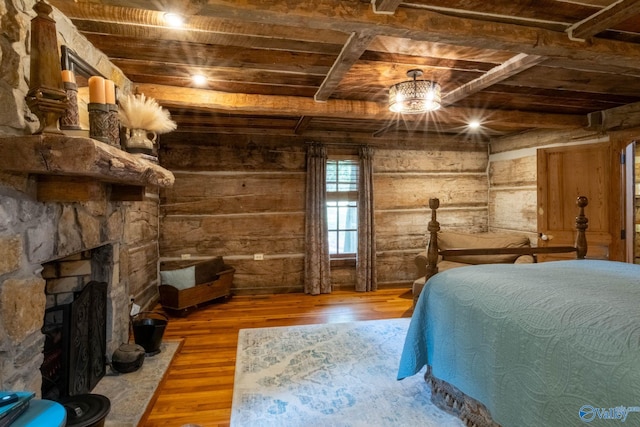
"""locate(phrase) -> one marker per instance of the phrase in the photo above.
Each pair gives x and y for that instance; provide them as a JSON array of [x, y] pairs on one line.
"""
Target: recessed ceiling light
[[474, 124], [174, 20], [199, 79]]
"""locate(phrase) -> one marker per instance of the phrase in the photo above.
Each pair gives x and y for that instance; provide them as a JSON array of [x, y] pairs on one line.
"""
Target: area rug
[[340, 374]]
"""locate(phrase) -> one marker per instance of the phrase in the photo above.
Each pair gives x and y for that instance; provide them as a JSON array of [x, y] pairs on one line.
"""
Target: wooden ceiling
[[323, 67]]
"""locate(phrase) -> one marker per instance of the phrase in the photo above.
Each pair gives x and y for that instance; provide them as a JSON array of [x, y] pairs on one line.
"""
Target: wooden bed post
[[581, 226], [432, 248]]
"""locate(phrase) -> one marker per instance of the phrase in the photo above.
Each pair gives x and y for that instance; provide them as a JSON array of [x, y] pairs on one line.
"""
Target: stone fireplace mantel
[[81, 166]]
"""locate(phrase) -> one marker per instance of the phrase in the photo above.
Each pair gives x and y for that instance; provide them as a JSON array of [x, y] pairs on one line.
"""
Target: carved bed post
[[432, 247], [581, 225]]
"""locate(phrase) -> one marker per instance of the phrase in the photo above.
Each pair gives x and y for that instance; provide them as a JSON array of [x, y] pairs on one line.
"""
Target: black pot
[[148, 329], [127, 358]]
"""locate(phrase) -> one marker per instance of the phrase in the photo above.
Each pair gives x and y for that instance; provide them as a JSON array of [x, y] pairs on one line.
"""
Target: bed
[[544, 344]]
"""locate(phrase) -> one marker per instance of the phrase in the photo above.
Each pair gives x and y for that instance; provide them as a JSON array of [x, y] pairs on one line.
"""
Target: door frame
[[619, 141]]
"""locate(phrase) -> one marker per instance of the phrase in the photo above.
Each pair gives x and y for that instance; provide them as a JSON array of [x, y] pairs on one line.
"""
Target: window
[[342, 207]]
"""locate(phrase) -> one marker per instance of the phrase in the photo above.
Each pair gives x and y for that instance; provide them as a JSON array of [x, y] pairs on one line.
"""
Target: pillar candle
[[96, 90], [67, 76], [110, 92]]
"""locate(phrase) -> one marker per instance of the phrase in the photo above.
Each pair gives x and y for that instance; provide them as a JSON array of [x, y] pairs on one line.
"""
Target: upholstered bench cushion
[[180, 278], [455, 240], [187, 277]]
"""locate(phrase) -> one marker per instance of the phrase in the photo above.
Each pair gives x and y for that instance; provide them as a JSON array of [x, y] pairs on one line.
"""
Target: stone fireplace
[[62, 196], [59, 206], [32, 236]]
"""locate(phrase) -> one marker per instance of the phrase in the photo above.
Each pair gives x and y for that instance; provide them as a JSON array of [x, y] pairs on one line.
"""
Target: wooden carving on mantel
[[46, 97]]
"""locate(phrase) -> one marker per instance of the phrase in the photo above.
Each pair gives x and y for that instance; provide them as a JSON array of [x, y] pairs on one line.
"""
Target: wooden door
[[564, 173]]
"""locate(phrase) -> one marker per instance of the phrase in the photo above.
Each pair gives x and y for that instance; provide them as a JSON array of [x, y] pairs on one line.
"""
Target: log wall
[[236, 196], [513, 194]]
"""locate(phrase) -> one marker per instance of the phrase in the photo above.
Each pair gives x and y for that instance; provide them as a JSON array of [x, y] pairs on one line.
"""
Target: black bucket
[[148, 330]]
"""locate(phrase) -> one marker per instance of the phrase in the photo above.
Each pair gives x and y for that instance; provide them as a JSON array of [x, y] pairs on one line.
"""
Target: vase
[[140, 141]]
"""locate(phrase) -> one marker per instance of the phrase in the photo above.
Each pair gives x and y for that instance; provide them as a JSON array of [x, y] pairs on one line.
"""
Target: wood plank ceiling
[[323, 67]]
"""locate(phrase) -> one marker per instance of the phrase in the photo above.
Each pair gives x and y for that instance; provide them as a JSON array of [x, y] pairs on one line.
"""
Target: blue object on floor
[[42, 413], [12, 405]]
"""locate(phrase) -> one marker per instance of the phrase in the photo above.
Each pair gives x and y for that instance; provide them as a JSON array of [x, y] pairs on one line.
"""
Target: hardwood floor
[[199, 385]]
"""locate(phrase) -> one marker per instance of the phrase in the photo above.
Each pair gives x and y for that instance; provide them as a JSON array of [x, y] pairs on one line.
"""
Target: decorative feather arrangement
[[140, 112]]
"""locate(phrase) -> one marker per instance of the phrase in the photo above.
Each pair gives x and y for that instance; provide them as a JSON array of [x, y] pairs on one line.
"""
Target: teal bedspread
[[549, 344]]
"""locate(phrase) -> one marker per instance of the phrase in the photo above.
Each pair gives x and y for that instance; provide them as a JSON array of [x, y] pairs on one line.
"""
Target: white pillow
[[182, 278]]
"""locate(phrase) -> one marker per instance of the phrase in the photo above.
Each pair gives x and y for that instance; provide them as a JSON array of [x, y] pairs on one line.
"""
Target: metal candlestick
[[114, 126], [99, 122], [70, 120]]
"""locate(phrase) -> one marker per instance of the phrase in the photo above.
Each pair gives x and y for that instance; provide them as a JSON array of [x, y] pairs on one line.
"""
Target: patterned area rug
[[340, 374]]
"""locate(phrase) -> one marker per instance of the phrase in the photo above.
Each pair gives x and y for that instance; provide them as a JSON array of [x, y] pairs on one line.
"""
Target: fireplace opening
[[75, 344], [75, 323]]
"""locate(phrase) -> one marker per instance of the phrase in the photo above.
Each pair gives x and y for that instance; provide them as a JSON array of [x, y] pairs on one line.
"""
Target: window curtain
[[366, 262], [316, 262]]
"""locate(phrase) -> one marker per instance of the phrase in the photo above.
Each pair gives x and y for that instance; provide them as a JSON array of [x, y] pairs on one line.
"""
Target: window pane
[[332, 216], [333, 242], [332, 175], [348, 217], [332, 166], [348, 243], [347, 176]]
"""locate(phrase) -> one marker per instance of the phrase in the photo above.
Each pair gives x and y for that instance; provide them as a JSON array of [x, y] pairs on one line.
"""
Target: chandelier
[[414, 96]]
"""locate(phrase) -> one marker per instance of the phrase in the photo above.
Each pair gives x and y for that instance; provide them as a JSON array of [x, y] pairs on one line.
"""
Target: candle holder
[[114, 126], [99, 128], [70, 120]]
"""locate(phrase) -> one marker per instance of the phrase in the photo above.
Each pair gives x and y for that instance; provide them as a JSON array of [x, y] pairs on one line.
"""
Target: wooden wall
[[238, 195], [513, 177]]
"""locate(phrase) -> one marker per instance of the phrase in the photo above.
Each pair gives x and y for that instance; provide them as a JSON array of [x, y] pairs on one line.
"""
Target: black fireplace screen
[[75, 344]]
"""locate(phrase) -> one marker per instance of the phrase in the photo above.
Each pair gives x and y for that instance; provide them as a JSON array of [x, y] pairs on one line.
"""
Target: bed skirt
[[448, 398]]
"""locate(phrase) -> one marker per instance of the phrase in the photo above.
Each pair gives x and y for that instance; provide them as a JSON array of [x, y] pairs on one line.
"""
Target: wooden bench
[[212, 280]]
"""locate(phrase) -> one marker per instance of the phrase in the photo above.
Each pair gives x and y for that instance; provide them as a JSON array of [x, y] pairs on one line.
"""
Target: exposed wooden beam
[[387, 7], [141, 23], [604, 19], [351, 52], [419, 25], [409, 139], [302, 124], [495, 75], [389, 127], [171, 96], [619, 118], [413, 137]]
